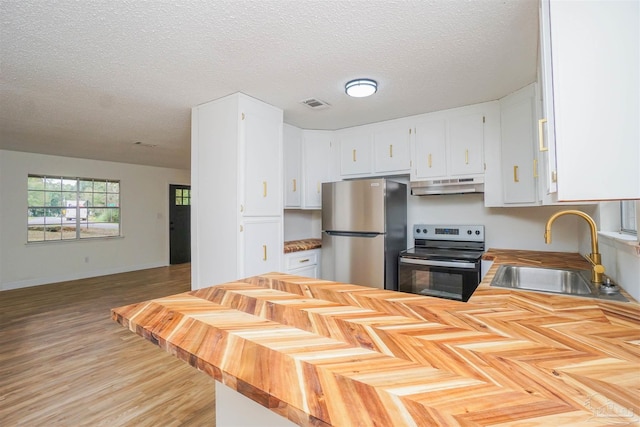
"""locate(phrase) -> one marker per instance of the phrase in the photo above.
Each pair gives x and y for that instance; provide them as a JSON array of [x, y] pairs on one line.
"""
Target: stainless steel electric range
[[444, 262]]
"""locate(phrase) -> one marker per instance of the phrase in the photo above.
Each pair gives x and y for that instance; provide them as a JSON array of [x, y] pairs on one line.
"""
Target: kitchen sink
[[553, 280]]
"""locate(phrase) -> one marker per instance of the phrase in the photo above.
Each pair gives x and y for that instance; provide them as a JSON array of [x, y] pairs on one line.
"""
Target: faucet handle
[[598, 268]]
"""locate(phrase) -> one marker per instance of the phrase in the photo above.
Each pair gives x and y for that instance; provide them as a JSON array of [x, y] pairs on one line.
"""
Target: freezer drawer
[[354, 259]]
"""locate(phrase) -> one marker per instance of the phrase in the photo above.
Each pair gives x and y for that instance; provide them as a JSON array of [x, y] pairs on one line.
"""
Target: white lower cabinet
[[261, 246], [303, 263]]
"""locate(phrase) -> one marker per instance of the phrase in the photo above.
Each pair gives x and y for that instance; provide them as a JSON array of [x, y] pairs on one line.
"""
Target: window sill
[[67, 241], [624, 242]]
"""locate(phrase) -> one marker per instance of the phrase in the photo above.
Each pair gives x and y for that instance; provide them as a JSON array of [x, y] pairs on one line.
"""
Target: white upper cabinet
[[376, 149], [356, 151], [518, 159], [262, 175], [450, 143], [292, 142], [316, 166], [430, 149], [391, 148], [590, 68], [466, 143], [307, 164]]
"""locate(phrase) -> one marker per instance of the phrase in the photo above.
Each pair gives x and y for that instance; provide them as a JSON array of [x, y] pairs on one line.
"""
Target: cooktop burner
[[447, 242]]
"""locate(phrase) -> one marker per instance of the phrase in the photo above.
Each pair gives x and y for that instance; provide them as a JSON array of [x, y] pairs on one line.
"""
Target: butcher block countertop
[[324, 353], [301, 245]]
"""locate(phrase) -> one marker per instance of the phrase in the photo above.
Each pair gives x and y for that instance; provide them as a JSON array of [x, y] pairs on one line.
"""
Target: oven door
[[445, 279]]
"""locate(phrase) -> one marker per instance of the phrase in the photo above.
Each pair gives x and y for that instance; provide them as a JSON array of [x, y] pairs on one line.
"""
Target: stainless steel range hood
[[447, 186]]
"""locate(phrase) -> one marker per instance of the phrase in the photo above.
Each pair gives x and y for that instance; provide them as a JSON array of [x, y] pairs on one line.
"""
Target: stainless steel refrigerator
[[364, 228]]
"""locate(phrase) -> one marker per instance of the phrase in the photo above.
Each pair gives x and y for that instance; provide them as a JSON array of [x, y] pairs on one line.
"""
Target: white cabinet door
[[236, 149], [430, 149], [391, 145], [261, 246], [517, 118], [262, 170], [546, 124], [292, 150], [466, 140], [355, 152], [591, 64], [316, 166]]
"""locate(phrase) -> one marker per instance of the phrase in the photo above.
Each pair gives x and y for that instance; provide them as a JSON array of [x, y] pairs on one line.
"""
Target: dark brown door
[[179, 223]]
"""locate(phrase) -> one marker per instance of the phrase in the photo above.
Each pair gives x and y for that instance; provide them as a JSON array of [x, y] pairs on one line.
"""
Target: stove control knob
[[477, 232], [424, 230], [469, 232], [417, 230]]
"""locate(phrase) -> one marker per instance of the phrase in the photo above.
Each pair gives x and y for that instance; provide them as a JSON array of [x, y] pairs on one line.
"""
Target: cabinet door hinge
[[483, 119], [409, 131], [242, 116]]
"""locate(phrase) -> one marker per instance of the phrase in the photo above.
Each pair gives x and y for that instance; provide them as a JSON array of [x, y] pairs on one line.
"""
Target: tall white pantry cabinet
[[237, 194]]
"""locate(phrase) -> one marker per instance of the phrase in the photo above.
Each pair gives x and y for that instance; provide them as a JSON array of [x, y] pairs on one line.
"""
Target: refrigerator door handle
[[351, 234]]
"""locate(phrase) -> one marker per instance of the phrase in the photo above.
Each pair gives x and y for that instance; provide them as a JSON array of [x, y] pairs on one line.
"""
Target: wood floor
[[64, 362]]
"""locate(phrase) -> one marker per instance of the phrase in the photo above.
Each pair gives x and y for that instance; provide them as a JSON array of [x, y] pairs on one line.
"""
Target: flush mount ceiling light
[[360, 88]]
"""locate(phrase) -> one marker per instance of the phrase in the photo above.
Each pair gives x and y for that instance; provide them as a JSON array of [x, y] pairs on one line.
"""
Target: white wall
[[505, 228], [145, 221], [620, 252], [621, 260], [302, 224]]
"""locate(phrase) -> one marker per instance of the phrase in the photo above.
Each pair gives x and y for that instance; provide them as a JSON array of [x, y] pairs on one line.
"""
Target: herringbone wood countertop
[[325, 353]]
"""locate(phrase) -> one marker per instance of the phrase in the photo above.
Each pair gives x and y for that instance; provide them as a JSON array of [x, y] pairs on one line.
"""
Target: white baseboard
[[77, 275]]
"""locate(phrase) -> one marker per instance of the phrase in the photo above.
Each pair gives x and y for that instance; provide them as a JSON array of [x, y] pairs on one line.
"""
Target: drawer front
[[308, 271], [301, 259]]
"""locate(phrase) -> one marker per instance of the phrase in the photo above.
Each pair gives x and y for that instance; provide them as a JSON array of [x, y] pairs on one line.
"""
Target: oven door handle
[[434, 263]]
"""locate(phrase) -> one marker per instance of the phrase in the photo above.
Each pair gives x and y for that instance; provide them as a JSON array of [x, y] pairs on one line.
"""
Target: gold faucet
[[597, 269]]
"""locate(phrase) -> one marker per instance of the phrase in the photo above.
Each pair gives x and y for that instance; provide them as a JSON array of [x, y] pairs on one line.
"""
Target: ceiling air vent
[[315, 104]]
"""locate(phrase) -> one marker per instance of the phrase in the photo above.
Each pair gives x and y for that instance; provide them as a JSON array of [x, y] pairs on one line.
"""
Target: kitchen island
[[323, 353]]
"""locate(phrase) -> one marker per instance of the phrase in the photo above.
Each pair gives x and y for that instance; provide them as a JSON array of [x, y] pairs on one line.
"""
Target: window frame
[[58, 200], [628, 217]]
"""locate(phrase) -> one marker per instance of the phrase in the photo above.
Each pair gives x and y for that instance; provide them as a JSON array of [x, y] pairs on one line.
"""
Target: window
[[183, 197], [63, 208], [628, 216]]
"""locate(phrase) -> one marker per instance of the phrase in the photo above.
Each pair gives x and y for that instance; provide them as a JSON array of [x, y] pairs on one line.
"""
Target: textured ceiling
[[89, 78]]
